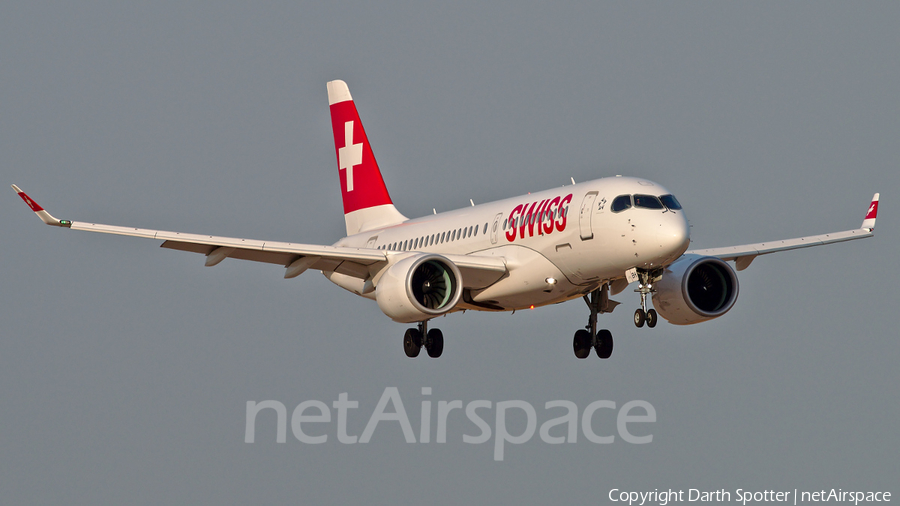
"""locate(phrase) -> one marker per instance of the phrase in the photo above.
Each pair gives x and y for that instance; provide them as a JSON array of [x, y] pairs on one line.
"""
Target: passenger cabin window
[[647, 202], [671, 202], [621, 203]]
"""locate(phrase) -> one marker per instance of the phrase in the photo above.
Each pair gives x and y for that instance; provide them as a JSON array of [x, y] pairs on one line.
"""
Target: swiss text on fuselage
[[543, 217]]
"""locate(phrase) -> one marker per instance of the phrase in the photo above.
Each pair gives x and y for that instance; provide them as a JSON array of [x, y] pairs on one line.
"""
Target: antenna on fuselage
[[473, 203], [572, 179]]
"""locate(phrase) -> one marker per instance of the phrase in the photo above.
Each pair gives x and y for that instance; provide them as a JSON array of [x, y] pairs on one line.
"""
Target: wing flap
[[271, 257], [204, 249]]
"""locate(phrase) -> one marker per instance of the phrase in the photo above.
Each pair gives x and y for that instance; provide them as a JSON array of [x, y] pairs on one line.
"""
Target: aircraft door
[[495, 228], [584, 218]]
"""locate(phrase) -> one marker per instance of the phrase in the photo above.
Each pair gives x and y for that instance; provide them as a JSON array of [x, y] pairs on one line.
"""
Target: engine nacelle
[[695, 289], [418, 288]]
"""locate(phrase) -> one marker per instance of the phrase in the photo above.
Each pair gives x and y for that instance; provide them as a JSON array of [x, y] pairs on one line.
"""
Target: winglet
[[38, 210], [869, 222]]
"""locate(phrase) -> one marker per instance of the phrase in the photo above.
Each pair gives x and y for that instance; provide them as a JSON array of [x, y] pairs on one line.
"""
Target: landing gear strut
[[645, 287], [432, 340], [602, 341]]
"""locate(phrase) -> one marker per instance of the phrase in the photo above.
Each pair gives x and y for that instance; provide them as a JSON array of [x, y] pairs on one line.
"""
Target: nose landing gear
[[645, 287], [649, 317]]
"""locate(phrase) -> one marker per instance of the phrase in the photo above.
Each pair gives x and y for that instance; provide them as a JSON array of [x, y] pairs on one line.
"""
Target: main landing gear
[[432, 340], [589, 337], [645, 287]]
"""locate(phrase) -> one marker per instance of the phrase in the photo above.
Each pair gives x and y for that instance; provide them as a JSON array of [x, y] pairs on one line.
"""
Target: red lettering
[[565, 210], [539, 221], [527, 218], [532, 218], [511, 233], [547, 214], [551, 212]]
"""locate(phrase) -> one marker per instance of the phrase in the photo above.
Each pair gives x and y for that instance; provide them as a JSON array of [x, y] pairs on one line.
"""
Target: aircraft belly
[[526, 283]]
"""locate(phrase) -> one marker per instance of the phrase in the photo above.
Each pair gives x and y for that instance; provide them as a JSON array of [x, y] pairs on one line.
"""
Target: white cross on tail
[[349, 155]]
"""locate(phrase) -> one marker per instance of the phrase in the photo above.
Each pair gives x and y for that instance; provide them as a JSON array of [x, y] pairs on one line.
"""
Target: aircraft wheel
[[652, 318], [412, 342], [639, 318], [604, 347], [582, 343], [435, 343]]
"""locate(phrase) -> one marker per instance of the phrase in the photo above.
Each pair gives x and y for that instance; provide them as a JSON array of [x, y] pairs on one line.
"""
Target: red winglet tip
[[32, 204], [873, 210]]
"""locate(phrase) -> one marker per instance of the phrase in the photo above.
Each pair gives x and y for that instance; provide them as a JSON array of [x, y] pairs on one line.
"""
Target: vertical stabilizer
[[367, 204]]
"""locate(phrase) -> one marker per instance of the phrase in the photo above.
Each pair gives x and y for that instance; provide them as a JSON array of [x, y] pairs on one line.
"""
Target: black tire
[[412, 342], [604, 347], [639, 318], [582, 344], [435, 343], [652, 318]]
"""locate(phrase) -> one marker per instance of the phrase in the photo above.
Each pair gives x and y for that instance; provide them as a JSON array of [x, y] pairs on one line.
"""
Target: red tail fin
[[367, 204]]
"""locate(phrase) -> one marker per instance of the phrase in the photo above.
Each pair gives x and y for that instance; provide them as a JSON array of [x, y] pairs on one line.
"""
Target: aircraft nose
[[675, 234]]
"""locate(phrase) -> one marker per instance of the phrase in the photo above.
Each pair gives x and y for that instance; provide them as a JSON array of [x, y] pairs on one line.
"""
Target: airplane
[[587, 240]]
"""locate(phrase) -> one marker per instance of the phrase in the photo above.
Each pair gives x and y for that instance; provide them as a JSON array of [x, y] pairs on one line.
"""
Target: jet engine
[[418, 288], [695, 289]]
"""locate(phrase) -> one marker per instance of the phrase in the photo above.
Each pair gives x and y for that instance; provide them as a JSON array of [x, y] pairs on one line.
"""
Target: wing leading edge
[[744, 254], [296, 258]]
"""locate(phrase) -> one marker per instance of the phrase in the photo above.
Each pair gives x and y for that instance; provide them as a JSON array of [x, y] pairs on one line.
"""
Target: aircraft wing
[[478, 271], [744, 254]]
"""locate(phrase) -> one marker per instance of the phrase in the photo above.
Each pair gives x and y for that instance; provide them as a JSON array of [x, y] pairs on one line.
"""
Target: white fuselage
[[568, 238]]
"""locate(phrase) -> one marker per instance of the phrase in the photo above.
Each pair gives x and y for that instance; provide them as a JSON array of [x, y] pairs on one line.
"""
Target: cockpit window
[[671, 202], [621, 203], [647, 202]]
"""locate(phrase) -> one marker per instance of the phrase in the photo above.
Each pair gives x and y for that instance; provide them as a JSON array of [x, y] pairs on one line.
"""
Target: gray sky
[[125, 368]]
